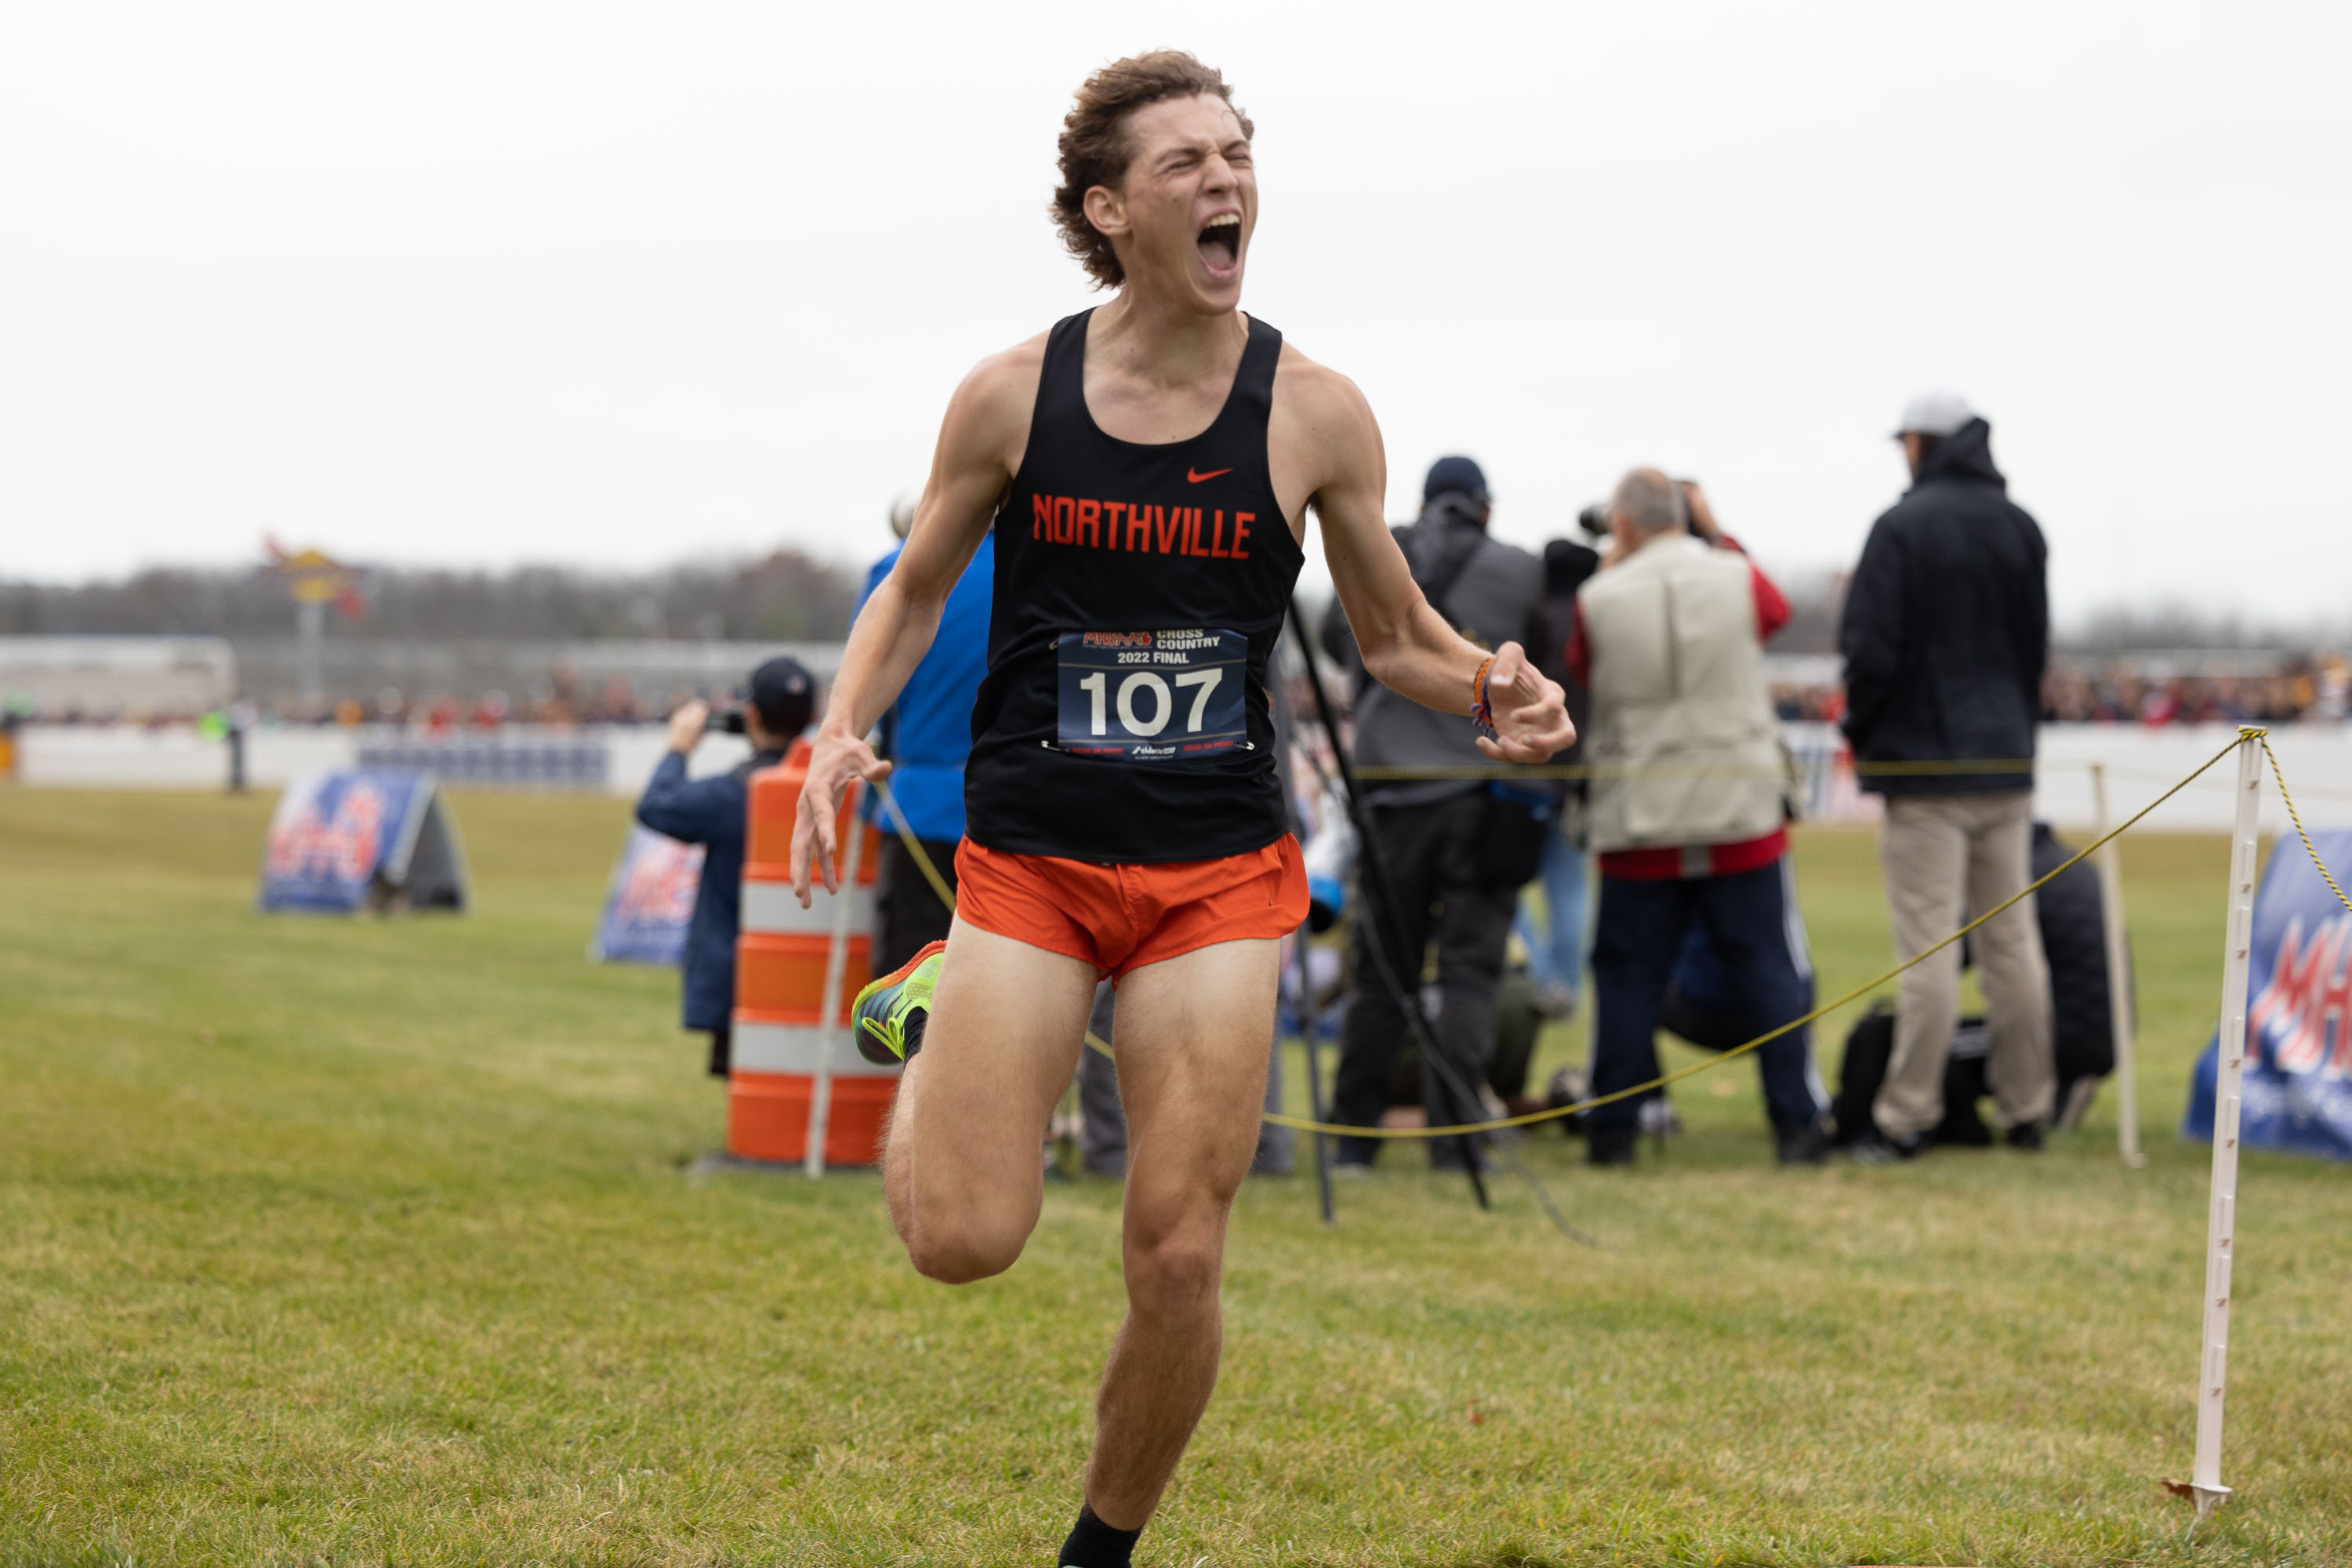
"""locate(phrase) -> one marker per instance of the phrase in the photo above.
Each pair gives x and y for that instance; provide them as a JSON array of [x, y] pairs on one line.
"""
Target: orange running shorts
[[1120, 918]]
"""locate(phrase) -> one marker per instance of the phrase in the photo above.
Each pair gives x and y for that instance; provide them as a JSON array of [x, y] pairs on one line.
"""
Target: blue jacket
[[929, 733], [713, 813]]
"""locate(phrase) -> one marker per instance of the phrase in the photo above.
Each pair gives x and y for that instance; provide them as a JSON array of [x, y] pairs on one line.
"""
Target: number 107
[[1162, 703]]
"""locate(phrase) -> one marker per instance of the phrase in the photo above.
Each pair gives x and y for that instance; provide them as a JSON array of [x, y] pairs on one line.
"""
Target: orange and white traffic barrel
[[797, 1089]]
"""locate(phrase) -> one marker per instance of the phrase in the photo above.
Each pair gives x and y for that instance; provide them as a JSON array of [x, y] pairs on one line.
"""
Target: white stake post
[[2122, 1016], [836, 968], [2221, 1219]]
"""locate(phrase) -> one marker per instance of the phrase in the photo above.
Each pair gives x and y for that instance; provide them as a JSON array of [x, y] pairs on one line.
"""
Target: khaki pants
[[1950, 858]]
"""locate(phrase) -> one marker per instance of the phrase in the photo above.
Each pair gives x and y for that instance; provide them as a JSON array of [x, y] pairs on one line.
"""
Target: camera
[[1594, 519], [783, 693]]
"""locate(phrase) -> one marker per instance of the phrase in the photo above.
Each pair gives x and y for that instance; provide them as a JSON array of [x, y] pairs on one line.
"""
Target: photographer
[[1688, 807], [1457, 850], [712, 812]]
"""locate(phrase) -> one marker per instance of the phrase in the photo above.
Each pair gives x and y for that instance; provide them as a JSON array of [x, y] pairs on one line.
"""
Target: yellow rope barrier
[[1551, 772], [1554, 1114], [1380, 774], [1299, 1123], [2296, 818]]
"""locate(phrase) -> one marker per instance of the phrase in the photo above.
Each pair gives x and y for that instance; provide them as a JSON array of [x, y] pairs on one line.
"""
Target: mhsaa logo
[[661, 884], [2304, 1014], [342, 844]]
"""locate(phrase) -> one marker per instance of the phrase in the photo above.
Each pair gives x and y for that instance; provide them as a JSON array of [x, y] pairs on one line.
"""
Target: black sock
[[914, 1032], [1094, 1545]]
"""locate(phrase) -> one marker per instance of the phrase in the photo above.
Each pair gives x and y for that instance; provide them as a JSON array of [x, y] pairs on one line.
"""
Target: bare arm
[[1327, 442], [980, 443]]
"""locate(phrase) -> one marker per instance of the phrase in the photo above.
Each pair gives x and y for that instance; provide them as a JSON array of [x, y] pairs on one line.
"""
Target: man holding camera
[[1456, 848], [712, 812], [1689, 814]]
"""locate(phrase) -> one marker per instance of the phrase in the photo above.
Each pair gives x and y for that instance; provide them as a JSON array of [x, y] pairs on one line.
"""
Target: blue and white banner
[[343, 840], [650, 901], [2298, 1082]]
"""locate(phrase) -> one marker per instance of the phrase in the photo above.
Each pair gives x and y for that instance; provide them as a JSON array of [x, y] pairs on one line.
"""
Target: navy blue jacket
[[712, 812]]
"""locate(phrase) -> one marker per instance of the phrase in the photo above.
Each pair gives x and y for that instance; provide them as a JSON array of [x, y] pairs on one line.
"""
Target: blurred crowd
[[1807, 703], [558, 700], [2312, 688], [2150, 688], [2303, 689]]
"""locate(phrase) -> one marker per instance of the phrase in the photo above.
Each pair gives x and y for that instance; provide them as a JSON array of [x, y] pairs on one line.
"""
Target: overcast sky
[[483, 283]]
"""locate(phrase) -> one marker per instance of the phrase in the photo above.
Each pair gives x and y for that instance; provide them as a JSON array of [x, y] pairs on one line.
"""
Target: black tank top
[[1140, 590]]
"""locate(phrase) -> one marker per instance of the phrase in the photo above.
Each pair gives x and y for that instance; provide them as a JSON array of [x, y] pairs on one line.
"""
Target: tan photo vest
[[1682, 737]]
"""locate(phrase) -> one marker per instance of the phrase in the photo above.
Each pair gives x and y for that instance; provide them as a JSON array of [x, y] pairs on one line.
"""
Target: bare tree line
[[788, 595]]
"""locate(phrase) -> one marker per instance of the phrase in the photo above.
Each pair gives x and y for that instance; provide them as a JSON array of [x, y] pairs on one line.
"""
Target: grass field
[[371, 1241]]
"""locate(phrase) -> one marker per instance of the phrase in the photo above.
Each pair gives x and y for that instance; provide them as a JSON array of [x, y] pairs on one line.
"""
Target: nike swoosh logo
[[1213, 473]]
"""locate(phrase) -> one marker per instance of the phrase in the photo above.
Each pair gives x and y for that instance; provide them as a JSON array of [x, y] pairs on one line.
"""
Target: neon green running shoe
[[889, 1013]]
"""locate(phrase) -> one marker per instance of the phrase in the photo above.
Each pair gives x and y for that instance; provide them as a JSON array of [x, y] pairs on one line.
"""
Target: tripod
[[1385, 943]]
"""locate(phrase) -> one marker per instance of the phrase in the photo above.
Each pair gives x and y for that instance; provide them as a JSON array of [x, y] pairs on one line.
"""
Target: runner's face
[[1182, 223]]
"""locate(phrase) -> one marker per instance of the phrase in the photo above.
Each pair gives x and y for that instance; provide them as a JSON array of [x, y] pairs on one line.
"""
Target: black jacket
[[1566, 566], [1947, 626]]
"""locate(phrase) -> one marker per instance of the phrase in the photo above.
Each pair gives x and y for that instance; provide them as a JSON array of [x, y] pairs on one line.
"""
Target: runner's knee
[[1174, 1271], [955, 1239], [960, 1254]]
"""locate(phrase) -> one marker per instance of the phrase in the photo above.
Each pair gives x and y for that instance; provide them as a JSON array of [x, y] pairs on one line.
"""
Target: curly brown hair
[[1096, 149]]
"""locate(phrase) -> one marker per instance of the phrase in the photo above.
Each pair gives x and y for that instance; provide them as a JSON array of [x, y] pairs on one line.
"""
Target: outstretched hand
[[836, 761], [1529, 710]]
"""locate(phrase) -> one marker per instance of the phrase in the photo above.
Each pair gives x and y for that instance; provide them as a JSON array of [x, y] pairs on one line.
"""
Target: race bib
[[1151, 697]]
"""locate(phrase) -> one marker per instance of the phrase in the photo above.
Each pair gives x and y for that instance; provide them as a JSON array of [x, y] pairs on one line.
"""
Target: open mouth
[[1221, 242]]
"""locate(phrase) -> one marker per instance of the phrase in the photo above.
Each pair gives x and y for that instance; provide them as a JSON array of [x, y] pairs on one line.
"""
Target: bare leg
[[1194, 1039], [961, 1166]]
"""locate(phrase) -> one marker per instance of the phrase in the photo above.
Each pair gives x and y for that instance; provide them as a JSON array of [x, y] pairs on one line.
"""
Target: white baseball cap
[[1937, 413]]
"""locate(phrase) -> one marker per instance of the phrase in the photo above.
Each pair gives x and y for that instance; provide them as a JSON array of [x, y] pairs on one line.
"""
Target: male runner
[[1147, 467]]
